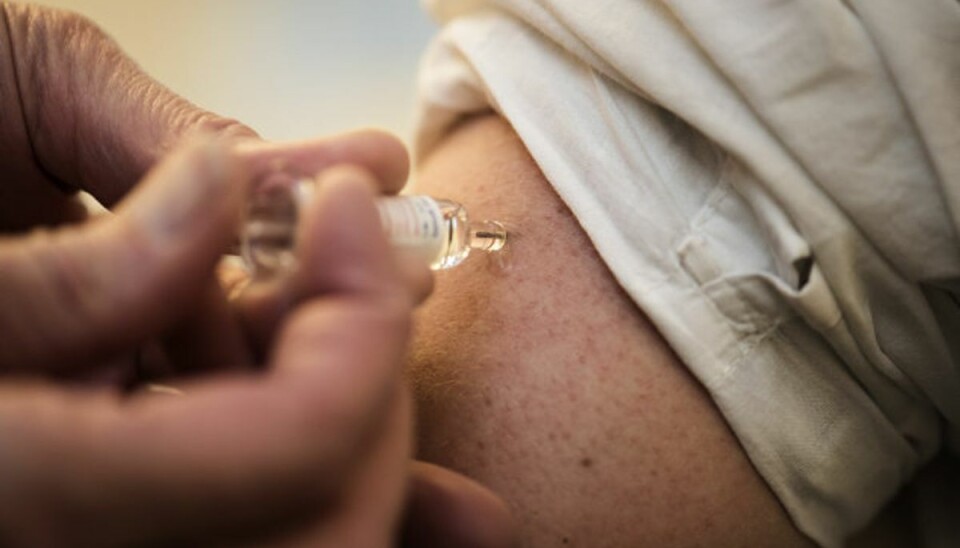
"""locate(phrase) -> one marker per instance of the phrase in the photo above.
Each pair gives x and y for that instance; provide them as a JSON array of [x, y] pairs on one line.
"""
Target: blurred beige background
[[288, 68]]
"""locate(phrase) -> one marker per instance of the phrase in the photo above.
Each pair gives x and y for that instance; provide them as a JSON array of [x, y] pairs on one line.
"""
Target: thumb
[[78, 295]]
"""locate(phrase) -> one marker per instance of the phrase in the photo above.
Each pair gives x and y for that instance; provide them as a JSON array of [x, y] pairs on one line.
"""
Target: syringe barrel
[[437, 230]]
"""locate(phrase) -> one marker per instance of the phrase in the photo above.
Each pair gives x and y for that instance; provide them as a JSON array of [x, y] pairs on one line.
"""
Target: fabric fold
[[775, 185]]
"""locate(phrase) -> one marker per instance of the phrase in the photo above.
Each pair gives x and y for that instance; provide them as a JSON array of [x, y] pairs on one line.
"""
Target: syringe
[[438, 230]]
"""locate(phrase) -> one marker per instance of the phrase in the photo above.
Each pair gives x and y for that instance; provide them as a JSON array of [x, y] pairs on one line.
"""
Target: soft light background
[[288, 68]]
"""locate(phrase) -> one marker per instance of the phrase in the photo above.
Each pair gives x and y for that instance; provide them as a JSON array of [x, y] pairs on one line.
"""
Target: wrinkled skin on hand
[[78, 114], [295, 427]]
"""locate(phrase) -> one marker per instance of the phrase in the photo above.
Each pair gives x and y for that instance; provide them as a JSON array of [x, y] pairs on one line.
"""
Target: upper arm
[[546, 382]]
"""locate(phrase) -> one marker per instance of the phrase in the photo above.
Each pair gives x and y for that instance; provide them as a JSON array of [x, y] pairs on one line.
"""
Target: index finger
[[376, 151]]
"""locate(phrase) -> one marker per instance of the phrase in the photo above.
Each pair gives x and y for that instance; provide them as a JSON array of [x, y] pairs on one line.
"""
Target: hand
[[319, 440], [314, 449]]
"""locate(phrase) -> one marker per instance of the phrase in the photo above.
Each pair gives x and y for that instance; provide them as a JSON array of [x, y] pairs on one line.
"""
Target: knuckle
[[59, 54], [69, 23], [41, 22]]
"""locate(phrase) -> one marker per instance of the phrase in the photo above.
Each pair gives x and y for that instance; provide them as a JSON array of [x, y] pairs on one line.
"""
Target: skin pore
[[546, 383]]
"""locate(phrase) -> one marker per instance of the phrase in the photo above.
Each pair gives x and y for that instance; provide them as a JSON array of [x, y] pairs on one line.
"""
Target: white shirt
[[777, 185]]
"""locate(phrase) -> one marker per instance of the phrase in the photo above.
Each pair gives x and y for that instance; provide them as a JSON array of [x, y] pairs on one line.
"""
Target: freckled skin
[[546, 383]]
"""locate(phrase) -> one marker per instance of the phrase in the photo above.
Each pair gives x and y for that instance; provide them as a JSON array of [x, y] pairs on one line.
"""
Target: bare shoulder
[[547, 383]]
